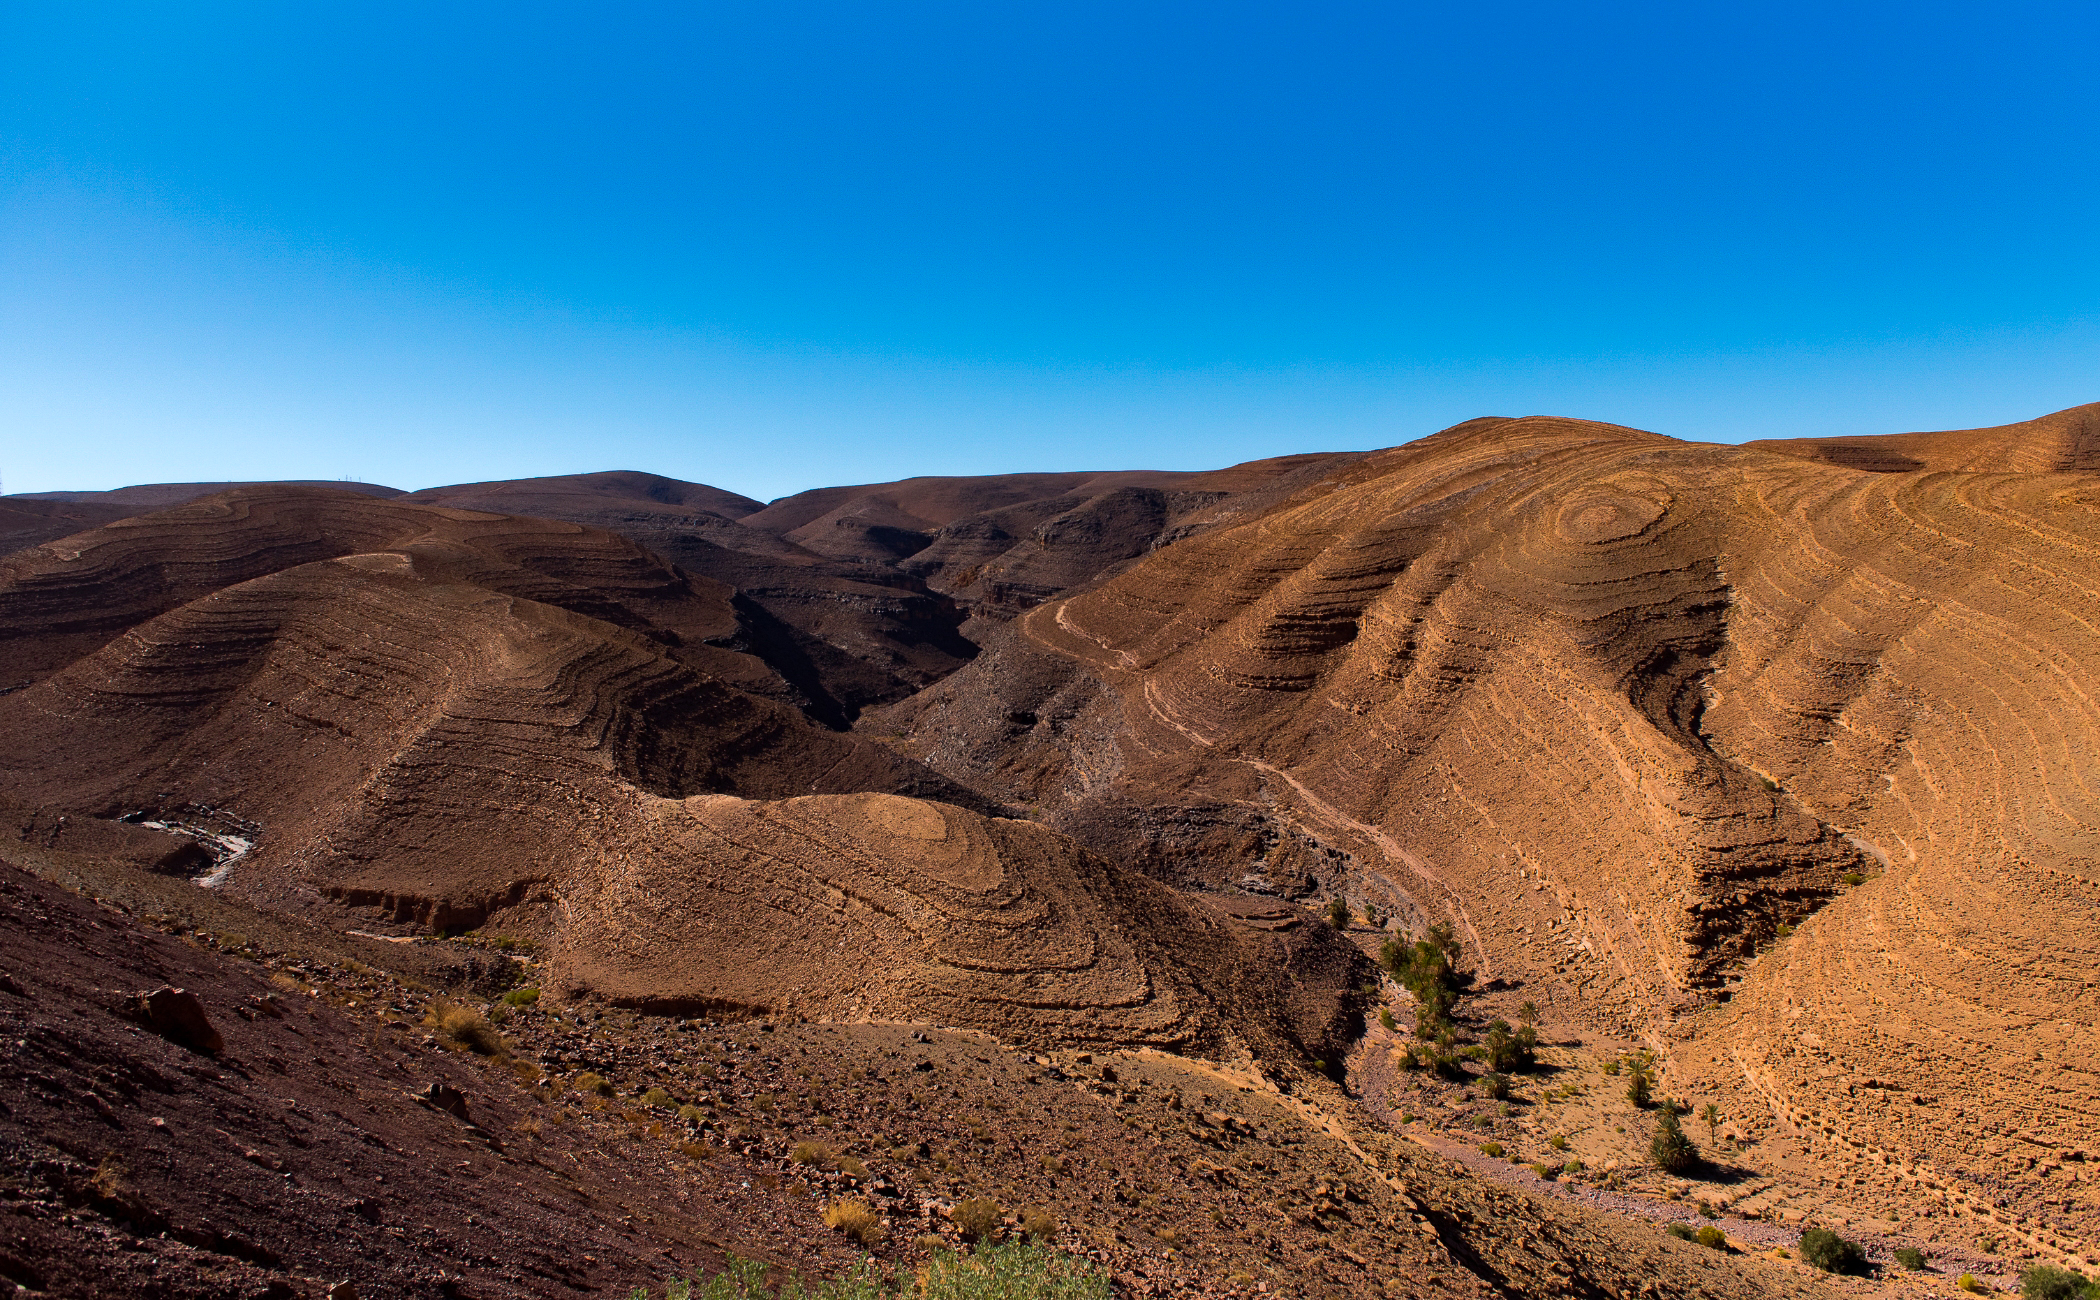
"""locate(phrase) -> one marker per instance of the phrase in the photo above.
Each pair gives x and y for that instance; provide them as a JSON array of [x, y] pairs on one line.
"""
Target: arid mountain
[[423, 705], [1750, 775], [143, 497], [840, 635], [1769, 763], [861, 596]]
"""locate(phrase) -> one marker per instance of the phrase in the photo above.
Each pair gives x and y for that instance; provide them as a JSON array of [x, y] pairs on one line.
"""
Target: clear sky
[[776, 245]]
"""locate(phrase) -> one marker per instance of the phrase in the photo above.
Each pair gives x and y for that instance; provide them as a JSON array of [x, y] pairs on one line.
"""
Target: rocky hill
[[1038, 839], [1763, 757]]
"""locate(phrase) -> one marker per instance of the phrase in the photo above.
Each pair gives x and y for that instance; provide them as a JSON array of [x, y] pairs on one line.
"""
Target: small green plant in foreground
[[1009, 1272], [1911, 1258]]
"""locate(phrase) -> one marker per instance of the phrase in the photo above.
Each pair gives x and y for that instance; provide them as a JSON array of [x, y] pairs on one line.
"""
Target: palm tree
[[1712, 1115]]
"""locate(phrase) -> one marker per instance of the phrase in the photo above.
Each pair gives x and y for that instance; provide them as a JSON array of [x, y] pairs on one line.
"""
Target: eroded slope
[[1620, 708]]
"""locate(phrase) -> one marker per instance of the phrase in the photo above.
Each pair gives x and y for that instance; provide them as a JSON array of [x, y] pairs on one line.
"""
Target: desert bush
[[464, 1026], [1507, 1050], [1039, 1224], [977, 1218], [1712, 1238], [1385, 1017], [852, 1168], [593, 1083], [1372, 916], [1853, 878], [1611, 1067], [1911, 1258], [1494, 1086], [1338, 914], [811, 1153], [1785, 931], [691, 1114], [1681, 1231], [1832, 1253], [1559, 1141], [1491, 1149], [658, 1099], [1572, 1167], [2046, 1282], [522, 997], [1544, 1170], [1967, 1282], [1669, 1149], [856, 1220]]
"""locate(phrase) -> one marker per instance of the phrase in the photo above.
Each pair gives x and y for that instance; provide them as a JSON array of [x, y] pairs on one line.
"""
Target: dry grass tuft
[[464, 1026], [856, 1220], [977, 1218]]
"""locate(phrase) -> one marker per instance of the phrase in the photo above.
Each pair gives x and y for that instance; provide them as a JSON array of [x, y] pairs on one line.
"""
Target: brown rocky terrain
[[1755, 769], [340, 1135], [1763, 757]]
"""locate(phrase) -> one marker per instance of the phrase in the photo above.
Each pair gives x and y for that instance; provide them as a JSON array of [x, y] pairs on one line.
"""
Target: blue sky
[[772, 246]]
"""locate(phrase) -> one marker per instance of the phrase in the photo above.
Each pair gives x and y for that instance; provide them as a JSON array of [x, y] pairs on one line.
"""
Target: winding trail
[[1321, 810]]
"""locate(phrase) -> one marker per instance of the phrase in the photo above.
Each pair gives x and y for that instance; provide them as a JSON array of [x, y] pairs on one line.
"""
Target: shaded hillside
[[1625, 711], [841, 635], [860, 596], [418, 706]]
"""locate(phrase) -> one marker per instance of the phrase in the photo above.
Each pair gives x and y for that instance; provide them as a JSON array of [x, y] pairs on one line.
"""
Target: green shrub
[[1611, 1067], [1853, 878], [2044, 1282], [1572, 1167], [1338, 914], [1669, 1149], [1426, 968], [1559, 1141], [1832, 1253], [1509, 1049], [1911, 1258], [1494, 1086], [1681, 1231], [1491, 1149], [522, 997], [1967, 1282], [596, 1084], [658, 1099], [1785, 930], [1712, 1237], [1545, 1171], [1385, 1017]]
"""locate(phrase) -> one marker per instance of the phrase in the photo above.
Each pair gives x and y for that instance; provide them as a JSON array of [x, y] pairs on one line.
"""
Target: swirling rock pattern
[[873, 906], [1619, 707], [446, 716]]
